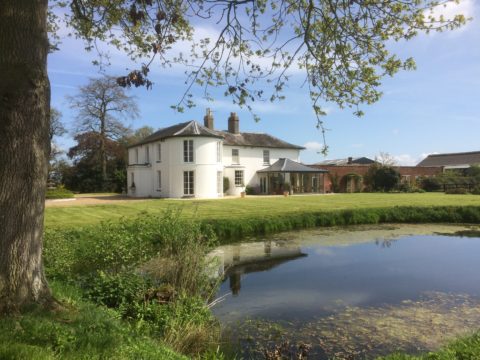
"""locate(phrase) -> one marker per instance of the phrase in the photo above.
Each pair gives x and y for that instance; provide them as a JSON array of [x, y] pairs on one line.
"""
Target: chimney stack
[[233, 123], [350, 160], [208, 119]]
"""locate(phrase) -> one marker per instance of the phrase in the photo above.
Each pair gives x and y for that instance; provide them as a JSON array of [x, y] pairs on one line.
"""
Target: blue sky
[[434, 109]]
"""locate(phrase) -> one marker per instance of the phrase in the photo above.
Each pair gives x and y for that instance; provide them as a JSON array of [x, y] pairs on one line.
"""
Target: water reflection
[[311, 277], [241, 259]]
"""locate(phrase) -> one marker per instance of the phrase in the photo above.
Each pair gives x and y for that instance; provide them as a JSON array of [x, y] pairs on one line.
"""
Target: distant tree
[[385, 159], [57, 129], [102, 107], [86, 173], [138, 135], [382, 178]]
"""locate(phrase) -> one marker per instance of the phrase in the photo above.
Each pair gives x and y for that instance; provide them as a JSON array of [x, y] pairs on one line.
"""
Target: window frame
[[266, 152], [236, 158], [159, 152], [147, 154], [219, 151], [188, 153], [241, 179], [189, 183], [159, 180]]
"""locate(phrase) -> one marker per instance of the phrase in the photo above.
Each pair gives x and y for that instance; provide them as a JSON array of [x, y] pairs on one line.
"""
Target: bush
[[249, 190], [457, 191], [59, 193], [382, 178], [430, 184], [476, 190], [226, 184]]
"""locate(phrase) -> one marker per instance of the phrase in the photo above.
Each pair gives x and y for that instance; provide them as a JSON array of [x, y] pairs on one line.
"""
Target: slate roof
[[288, 166], [256, 139], [189, 128], [451, 159], [341, 162], [193, 128]]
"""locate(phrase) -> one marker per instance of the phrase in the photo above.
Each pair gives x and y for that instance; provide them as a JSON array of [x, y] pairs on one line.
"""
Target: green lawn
[[250, 207]]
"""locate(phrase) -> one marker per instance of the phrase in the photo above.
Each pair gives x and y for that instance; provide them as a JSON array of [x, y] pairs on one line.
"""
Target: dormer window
[[188, 151]]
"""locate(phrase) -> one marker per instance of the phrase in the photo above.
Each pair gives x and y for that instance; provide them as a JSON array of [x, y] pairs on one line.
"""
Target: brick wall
[[350, 184]]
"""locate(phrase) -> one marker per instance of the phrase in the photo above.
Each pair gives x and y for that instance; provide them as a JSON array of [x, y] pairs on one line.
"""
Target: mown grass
[[250, 207]]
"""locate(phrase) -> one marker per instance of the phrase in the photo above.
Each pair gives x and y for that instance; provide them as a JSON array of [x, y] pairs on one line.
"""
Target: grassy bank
[[115, 302], [249, 207], [465, 348], [80, 330]]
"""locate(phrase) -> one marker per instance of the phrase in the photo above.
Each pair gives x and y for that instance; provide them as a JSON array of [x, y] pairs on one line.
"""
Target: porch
[[287, 175]]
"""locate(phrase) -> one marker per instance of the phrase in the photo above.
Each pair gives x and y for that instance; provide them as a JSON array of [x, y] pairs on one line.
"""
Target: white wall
[[251, 160], [172, 167], [205, 167]]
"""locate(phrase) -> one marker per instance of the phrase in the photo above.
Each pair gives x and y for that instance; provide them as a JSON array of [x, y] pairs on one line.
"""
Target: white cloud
[[313, 146], [356, 146], [257, 107], [411, 160], [451, 9]]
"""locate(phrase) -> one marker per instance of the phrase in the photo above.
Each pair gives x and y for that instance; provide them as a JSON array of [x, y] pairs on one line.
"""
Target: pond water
[[351, 293]]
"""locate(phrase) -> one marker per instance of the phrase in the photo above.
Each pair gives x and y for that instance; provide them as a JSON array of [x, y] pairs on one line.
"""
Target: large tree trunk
[[24, 151]]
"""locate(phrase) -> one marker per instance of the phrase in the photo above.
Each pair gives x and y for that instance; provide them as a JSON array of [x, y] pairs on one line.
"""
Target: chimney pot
[[208, 119], [233, 123]]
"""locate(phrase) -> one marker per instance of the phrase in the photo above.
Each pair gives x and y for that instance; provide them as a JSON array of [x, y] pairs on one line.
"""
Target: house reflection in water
[[237, 260]]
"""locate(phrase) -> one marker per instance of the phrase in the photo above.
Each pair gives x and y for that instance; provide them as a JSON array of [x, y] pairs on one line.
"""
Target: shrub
[[382, 178], [476, 190], [59, 193], [458, 191], [226, 184], [430, 184], [249, 190]]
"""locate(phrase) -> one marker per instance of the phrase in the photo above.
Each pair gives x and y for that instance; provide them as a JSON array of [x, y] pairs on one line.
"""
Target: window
[[136, 156], [266, 157], [219, 182], [159, 180], [188, 151], [263, 185], [219, 151], [235, 156], [132, 179], [188, 185], [159, 152], [147, 154], [238, 177]]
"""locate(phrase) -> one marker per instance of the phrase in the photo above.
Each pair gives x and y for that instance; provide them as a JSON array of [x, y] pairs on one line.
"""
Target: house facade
[[192, 160]]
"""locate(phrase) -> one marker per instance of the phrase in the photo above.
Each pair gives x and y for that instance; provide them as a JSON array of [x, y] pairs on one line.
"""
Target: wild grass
[[106, 263], [80, 330], [465, 348]]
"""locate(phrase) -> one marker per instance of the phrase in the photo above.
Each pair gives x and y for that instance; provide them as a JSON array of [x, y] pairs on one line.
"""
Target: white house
[[191, 160]]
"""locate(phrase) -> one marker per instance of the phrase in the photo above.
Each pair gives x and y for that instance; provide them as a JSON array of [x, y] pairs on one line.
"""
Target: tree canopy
[[340, 45]]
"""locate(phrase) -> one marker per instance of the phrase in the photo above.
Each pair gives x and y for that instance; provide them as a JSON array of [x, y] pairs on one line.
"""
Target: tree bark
[[24, 151]]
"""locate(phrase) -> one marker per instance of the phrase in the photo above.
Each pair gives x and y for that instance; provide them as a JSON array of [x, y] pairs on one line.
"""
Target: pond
[[351, 293]]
